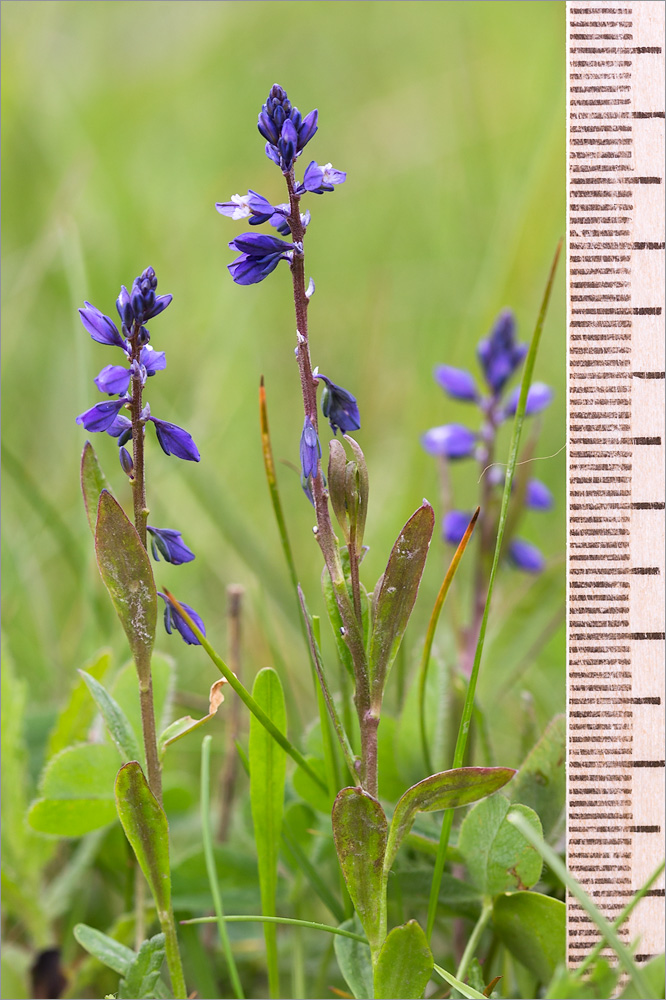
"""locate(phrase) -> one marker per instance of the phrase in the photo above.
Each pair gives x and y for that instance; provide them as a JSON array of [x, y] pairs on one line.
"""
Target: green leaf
[[142, 976], [93, 482], [463, 988], [404, 965], [76, 717], [336, 622], [445, 790], [76, 791], [360, 830], [117, 723], [397, 594], [541, 779], [311, 792], [126, 571], [104, 948], [533, 928], [355, 961], [654, 972], [268, 768], [599, 982], [498, 858], [146, 828]]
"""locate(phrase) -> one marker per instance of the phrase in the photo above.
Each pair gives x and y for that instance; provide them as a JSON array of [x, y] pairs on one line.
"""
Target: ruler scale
[[615, 562]]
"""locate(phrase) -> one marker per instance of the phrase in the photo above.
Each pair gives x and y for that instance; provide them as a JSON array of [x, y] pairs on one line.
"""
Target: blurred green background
[[123, 123]]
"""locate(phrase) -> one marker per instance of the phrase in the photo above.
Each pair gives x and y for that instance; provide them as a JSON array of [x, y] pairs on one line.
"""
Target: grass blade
[[268, 771], [289, 921]]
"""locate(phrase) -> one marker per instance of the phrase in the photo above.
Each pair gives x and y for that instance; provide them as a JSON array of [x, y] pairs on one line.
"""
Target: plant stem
[[138, 482], [207, 839], [174, 963], [474, 939]]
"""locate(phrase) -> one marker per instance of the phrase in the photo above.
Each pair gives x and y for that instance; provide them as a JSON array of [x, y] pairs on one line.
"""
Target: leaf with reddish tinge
[[125, 568], [396, 596], [360, 829], [145, 824], [445, 790]]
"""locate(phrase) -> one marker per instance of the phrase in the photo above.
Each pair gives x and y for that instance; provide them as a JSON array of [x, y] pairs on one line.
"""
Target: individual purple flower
[[174, 440], [170, 544], [538, 496], [457, 383], [539, 396], [339, 406], [318, 179], [499, 353], [451, 441], [526, 556], [310, 450], [153, 361], [173, 619], [259, 255], [121, 428], [113, 379], [101, 416], [454, 526], [100, 327]]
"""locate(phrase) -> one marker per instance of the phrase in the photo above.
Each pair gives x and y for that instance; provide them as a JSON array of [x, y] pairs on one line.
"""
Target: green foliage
[[533, 928], [394, 602], [442, 791], [404, 964], [146, 828], [76, 791], [75, 718], [93, 482], [360, 830], [497, 856], [141, 978], [117, 723], [541, 779], [355, 962]]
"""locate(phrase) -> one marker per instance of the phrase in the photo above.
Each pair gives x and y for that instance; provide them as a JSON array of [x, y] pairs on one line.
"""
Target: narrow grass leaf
[[404, 965], [445, 790], [125, 568], [120, 729], [464, 990], [268, 769]]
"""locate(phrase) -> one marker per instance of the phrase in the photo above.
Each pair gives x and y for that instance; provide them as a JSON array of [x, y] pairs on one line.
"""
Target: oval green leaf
[[104, 948], [533, 928], [360, 831], [145, 825], [125, 568], [497, 855], [396, 597], [76, 791], [445, 790], [404, 965]]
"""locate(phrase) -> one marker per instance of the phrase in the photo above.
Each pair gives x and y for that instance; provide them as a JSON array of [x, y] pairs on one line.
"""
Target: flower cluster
[[500, 356], [136, 308], [287, 133]]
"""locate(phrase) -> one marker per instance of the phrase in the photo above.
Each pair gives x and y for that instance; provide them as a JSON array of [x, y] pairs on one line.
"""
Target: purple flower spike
[[172, 619], [451, 440], [171, 545], [455, 525], [100, 327], [153, 361], [538, 496], [458, 383], [102, 416], [525, 556], [339, 406], [319, 179], [538, 398], [310, 449], [174, 440], [113, 379], [307, 129], [499, 354]]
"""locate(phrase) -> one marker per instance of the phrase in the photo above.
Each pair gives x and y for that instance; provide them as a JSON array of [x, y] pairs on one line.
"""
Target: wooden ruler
[[615, 242]]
